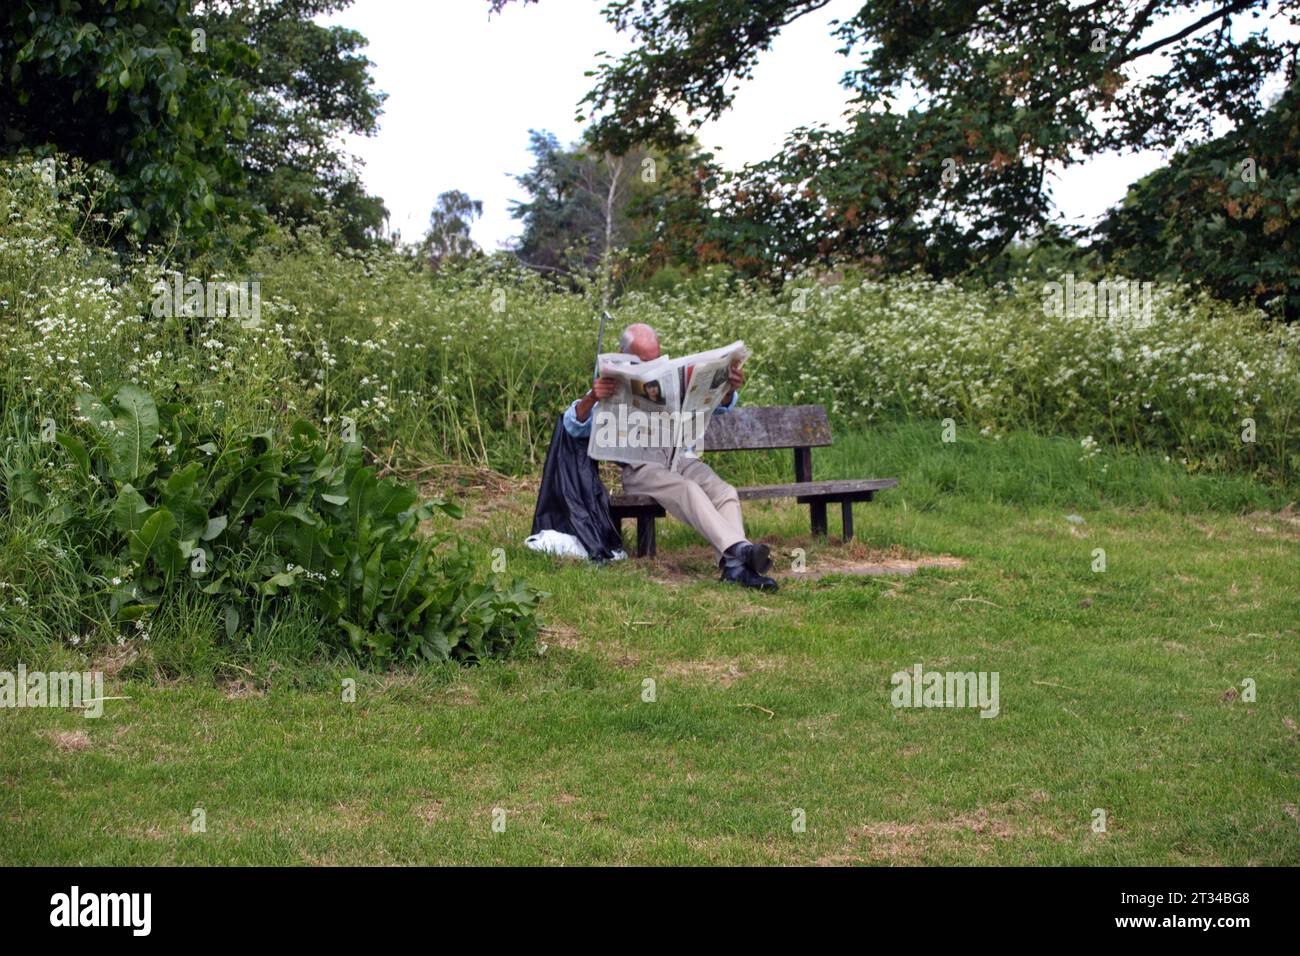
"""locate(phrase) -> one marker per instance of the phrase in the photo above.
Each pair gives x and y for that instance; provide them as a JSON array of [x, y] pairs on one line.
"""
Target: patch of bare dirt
[[674, 568], [817, 561], [724, 673], [430, 812], [113, 660], [485, 492], [352, 815], [912, 842], [869, 565], [70, 741], [562, 636], [717, 672], [459, 695], [242, 689], [1286, 521]]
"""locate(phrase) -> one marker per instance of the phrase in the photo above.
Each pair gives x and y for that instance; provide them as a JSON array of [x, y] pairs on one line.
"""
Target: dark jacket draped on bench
[[572, 499]]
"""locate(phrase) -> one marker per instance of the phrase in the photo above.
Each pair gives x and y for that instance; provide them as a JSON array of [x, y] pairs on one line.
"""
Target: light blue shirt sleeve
[[574, 427], [723, 409]]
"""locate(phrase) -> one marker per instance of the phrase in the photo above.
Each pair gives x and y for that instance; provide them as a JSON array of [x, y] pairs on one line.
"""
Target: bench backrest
[[777, 426]]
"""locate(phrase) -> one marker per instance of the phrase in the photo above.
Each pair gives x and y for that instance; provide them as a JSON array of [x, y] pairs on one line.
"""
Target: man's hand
[[737, 379], [603, 389]]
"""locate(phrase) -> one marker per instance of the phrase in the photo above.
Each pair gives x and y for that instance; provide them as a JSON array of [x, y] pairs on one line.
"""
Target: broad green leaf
[[361, 491], [183, 482], [130, 509], [353, 632], [372, 585], [391, 498], [304, 432], [136, 430], [134, 612], [263, 486], [25, 485], [217, 586], [77, 450], [276, 581], [152, 535], [413, 572]]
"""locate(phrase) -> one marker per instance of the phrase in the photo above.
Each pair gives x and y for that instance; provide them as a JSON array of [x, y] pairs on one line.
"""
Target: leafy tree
[[1225, 214], [308, 85], [962, 109], [206, 113], [449, 223], [585, 206], [128, 85]]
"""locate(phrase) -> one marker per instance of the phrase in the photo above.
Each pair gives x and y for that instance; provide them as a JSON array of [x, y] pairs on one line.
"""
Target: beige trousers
[[695, 495]]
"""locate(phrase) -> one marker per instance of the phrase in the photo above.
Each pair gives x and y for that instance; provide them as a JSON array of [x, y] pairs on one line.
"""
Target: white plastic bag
[[562, 545]]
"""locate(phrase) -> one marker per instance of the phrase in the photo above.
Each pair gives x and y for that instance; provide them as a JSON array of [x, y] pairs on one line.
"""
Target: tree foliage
[[1225, 214], [583, 205], [308, 85], [206, 113], [448, 235], [961, 111], [121, 84]]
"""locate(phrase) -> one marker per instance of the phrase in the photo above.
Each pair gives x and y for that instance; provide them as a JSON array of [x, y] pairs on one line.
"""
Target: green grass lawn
[[1114, 695]]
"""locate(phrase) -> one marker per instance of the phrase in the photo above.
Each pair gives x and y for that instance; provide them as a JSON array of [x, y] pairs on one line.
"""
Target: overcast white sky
[[463, 91]]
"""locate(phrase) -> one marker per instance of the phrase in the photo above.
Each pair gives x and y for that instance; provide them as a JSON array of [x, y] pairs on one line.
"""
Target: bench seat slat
[[632, 502], [828, 490]]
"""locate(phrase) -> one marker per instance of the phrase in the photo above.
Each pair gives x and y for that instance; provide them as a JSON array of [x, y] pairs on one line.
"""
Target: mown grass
[[1112, 694]]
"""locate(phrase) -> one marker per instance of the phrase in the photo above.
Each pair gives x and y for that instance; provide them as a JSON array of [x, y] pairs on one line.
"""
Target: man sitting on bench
[[694, 494]]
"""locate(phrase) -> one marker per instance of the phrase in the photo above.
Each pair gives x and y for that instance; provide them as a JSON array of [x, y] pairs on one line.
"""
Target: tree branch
[[1235, 7]]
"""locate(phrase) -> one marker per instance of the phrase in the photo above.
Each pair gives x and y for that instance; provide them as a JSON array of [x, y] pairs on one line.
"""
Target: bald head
[[640, 340]]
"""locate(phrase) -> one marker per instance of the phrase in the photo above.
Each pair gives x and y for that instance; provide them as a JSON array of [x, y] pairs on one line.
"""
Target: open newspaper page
[[708, 380], [638, 422], [661, 408]]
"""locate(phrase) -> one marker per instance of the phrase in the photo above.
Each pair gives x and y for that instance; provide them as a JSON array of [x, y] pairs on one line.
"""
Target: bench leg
[[818, 511], [846, 510], [645, 536]]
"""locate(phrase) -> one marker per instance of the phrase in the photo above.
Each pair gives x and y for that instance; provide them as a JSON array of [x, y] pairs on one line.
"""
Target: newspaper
[[660, 409]]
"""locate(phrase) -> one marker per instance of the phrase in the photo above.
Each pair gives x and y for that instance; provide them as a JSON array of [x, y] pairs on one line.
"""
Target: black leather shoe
[[741, 574], [758, 558]]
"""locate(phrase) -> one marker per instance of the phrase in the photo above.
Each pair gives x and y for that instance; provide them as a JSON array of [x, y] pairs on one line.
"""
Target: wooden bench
[[798, 427]]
